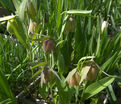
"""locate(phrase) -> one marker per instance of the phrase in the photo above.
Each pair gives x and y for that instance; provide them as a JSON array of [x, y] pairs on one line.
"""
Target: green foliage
[[26, 59], [96, 87], [5, 92], [112, 94], [64, 90], [7, 4]]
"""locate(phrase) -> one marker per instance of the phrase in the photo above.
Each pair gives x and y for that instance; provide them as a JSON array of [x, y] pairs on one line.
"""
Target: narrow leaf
[[39, 71], [7, 18], [81, 12], [40, 64], [96, 87], [112, 94]]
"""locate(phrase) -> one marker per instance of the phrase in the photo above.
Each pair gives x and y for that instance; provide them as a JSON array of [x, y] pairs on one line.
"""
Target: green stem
[[85, 83]]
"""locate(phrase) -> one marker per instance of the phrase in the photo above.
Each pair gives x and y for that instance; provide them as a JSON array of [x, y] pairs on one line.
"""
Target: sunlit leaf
[[40, 64], [80, 12], [96, 87], [7, 18]]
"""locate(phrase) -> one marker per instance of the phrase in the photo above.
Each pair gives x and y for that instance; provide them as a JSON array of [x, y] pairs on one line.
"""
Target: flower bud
[[92, 73], [48, 46], [74, 80], [9, 25], [70, 25], [48, 75], [32, 27], [32, 11], [104, 25]]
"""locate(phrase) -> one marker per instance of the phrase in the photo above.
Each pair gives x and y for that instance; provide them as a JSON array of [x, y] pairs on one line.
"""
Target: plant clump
[[74, 80], [48, 46]]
